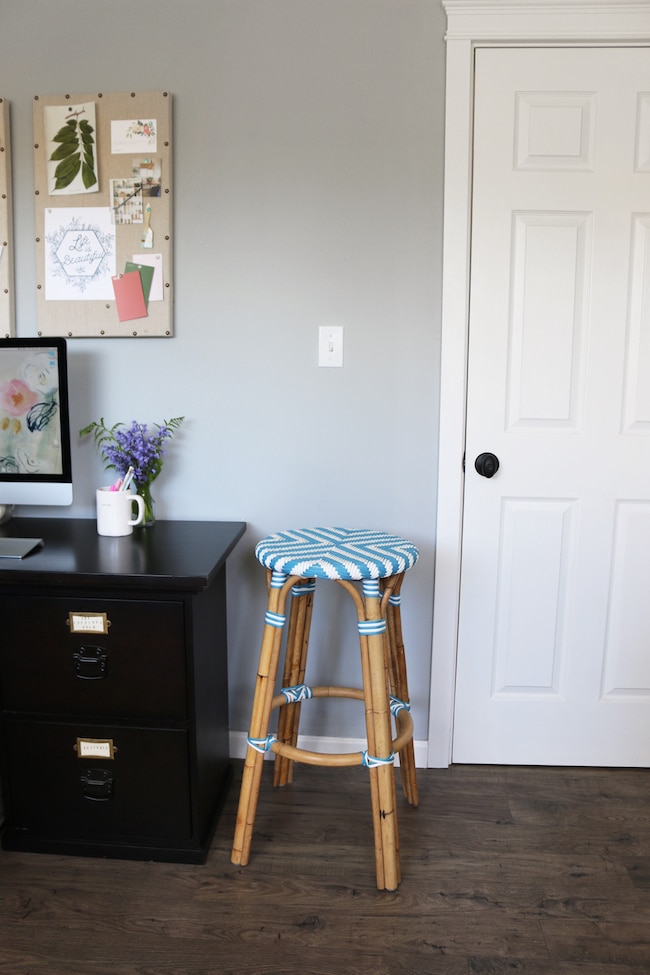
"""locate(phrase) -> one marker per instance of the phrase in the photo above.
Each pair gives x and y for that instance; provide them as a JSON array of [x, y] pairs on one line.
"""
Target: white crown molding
[[562, 21]]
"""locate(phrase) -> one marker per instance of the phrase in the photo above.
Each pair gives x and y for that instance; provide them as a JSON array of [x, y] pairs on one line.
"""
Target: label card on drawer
[[95, 748], [88, 622]]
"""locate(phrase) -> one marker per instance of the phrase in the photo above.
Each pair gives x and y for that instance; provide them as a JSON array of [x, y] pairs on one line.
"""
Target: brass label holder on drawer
[[88, 622], [95, 748]]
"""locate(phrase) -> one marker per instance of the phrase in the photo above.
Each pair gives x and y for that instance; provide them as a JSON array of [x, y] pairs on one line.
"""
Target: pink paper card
[[129, 296]]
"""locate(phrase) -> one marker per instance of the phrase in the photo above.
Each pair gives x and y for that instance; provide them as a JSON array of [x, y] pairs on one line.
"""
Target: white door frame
[[472, 24]]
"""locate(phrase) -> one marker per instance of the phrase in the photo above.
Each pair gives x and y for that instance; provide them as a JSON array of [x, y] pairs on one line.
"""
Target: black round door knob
[[487, 464]]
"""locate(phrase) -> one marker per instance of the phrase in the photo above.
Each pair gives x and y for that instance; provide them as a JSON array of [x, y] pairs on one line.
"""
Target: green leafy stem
[[75, 139]]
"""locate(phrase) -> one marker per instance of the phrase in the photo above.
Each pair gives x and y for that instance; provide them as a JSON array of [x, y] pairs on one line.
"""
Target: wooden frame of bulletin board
[[6, 227], [103, 192]]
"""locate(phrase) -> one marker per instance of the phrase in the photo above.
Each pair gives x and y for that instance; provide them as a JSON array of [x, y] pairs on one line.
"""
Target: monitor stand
[[15, 548]]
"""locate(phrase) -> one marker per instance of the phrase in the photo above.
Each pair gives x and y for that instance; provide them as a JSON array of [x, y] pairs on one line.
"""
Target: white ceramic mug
[[115, 511]]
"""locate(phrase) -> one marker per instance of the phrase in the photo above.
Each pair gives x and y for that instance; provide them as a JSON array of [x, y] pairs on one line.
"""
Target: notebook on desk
[[18, 548]]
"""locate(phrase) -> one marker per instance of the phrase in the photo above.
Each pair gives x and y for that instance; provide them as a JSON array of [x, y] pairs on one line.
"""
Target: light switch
[[330, 345]]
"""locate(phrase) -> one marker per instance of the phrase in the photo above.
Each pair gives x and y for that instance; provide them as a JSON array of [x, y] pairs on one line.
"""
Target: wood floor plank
[[505, 871]]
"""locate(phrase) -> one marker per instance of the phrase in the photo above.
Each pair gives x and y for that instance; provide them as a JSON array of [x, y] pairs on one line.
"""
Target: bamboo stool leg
[[372, 750], [399, 681], [379, 757], [294, 674], [259, 726], [382, 733]]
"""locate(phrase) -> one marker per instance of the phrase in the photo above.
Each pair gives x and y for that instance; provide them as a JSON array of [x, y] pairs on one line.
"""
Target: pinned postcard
[[156, 262], [129, 296], [134, 135], [79, 253], [70, 149], [146, 276]]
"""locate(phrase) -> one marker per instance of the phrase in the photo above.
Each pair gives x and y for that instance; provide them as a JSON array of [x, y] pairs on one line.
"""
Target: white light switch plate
[[330, 345]]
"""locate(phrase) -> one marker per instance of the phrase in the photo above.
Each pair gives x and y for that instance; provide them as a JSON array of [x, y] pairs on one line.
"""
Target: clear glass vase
[[144, 490]]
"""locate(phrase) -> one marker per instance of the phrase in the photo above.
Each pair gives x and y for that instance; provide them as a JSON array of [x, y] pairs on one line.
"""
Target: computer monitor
[[35, 466]]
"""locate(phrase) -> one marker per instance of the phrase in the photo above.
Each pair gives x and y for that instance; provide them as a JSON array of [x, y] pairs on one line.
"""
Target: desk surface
[[179, 555]]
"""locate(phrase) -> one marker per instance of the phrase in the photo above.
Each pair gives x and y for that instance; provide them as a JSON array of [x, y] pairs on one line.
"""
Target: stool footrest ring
[[338, 759]]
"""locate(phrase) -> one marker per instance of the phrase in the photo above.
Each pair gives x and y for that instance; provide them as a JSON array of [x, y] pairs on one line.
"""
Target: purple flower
[[134, 446]]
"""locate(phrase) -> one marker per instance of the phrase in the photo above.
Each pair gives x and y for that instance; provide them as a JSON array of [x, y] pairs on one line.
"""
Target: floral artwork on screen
[[30, 430]]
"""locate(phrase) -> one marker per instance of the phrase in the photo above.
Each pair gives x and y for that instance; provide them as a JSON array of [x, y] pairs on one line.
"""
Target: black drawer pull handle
[[97, 785], [90, 663]]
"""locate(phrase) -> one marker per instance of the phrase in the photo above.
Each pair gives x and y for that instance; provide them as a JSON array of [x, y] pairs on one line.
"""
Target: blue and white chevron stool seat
[[370, 566], [336, 553]]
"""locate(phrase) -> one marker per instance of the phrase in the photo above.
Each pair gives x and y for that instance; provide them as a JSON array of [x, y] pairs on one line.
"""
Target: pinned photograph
[[148, 169], [126, 201]]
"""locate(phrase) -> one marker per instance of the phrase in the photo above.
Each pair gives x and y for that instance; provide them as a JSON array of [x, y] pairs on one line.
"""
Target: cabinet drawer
[[137, 668], [141, 793]]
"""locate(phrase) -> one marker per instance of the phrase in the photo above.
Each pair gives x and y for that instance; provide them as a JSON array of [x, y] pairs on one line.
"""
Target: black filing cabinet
[[113, 688]]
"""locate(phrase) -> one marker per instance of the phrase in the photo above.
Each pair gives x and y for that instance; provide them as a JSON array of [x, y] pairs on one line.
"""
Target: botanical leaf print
[[74, 138]]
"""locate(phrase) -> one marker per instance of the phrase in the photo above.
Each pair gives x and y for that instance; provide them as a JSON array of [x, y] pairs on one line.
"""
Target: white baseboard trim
[[313, 743]]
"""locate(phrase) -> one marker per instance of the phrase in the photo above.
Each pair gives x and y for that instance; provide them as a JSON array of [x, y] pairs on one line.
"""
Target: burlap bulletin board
[[6, 227], [94, 230]]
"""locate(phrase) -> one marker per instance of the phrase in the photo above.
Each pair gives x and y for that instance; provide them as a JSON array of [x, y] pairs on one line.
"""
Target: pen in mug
[[128, 477]]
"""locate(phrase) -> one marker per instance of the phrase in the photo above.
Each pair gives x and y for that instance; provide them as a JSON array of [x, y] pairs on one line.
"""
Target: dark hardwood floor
[[505, 871]]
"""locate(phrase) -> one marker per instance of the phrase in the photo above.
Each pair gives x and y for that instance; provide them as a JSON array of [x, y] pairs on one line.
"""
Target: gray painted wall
[[308, 191]]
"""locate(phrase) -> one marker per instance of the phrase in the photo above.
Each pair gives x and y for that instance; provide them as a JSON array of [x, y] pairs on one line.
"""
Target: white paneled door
[[554, 633]]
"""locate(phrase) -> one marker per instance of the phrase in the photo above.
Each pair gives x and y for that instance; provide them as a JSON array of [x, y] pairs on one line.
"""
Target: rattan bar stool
[[294, 561]]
